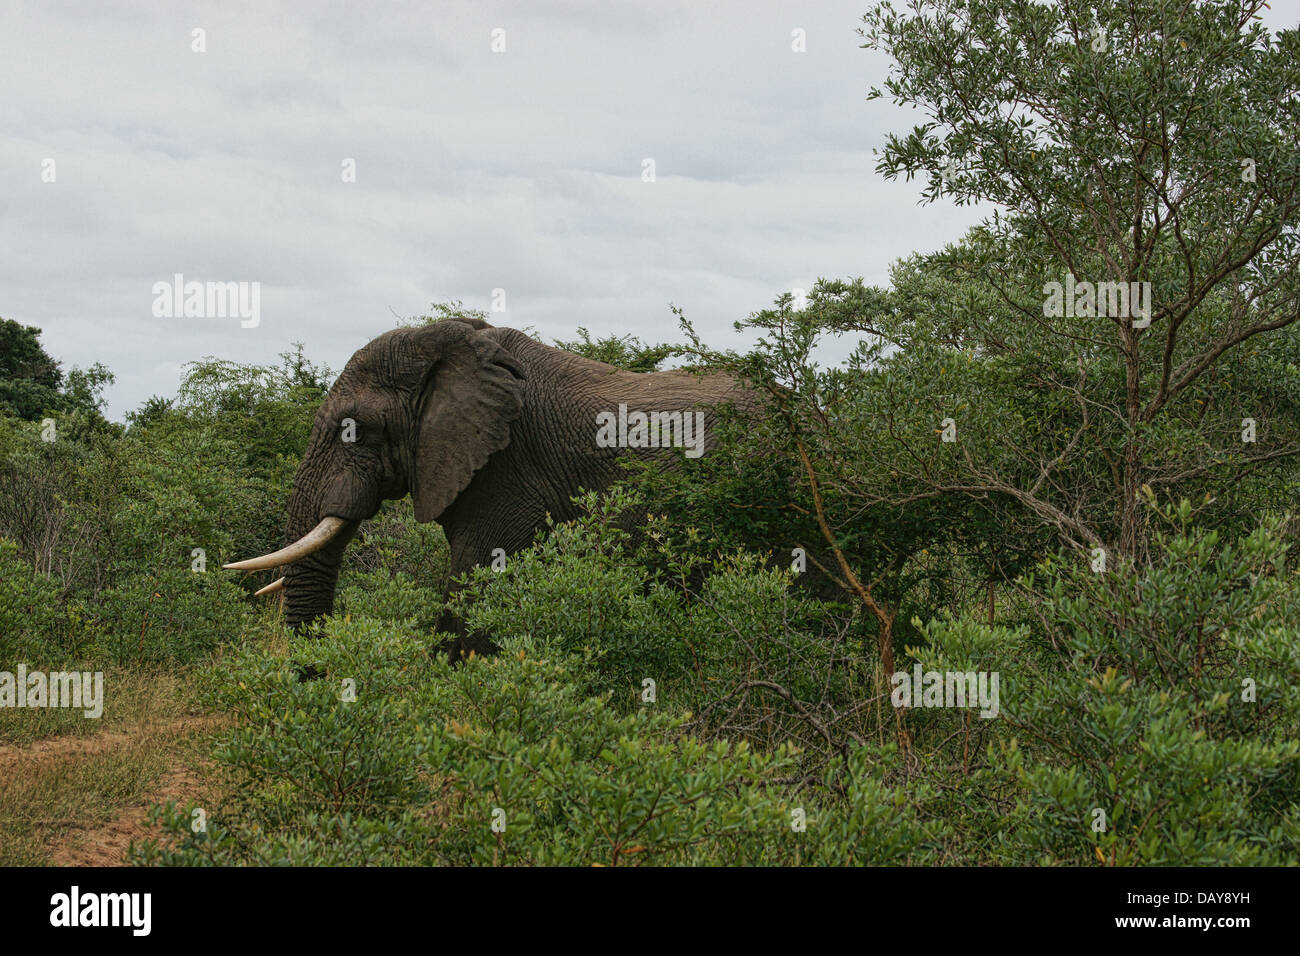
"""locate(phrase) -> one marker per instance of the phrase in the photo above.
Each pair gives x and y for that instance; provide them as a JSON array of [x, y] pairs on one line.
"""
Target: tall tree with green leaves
[[1016, 392], [1129, 149]]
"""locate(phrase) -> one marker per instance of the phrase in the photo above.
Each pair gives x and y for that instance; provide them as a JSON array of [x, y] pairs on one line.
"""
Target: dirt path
[[105, 843], [14, 759]]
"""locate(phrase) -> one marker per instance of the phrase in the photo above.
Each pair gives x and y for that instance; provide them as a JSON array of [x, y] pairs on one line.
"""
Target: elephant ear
[[472, 391]]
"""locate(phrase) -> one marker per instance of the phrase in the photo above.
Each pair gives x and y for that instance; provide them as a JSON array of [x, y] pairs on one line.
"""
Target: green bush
[[395, 569], [501, 761], [1151, 718], [171, 614], [35, 625], [579, 591]]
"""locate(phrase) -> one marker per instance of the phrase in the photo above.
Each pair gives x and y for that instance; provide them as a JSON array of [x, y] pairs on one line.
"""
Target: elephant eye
[[354, 431], [350, 430]]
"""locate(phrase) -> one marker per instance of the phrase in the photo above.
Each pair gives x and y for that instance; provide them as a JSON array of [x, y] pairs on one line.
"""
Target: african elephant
[[487, 429]]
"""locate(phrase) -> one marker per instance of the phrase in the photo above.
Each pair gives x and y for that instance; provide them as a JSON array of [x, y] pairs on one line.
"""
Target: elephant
[[489, 431]]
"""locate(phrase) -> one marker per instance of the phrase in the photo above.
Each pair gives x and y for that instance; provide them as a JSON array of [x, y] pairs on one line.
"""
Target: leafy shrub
[[742, 636], [424, 761], [396, 569], [34, 624], [1151, 719], [169, 614]]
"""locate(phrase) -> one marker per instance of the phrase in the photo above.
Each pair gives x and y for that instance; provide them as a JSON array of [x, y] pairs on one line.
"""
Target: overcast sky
[[476, 170]]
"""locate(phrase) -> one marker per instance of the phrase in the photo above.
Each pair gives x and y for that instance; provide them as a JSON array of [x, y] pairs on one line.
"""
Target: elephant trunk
[[309, 582], [311, 560], [309, 586]]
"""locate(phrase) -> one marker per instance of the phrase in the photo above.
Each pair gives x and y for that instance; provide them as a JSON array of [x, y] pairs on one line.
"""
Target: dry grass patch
[[80, 798]]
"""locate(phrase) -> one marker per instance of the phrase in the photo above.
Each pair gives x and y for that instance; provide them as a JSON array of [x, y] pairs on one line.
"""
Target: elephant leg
[[479, 527], [461, 642]]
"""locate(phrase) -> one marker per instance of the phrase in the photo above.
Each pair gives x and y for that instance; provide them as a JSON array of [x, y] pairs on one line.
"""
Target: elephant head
[[418, 411]]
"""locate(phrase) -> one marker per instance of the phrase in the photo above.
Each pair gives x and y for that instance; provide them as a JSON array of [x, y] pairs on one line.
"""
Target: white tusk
[[276, 585], [312, 541]]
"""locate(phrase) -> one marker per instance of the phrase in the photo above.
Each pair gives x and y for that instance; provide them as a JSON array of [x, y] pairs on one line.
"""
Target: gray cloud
[[475, 170]]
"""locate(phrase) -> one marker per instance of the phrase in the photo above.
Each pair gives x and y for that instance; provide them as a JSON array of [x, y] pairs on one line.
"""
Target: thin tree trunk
[[1130, 517]]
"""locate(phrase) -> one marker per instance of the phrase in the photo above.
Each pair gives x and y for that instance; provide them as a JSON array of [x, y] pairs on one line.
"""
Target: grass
[[132, 696], [74, 790]]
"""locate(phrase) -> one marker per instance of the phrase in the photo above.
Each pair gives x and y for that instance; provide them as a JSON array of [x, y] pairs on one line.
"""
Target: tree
[[440, 311], [625, 351], [1141, 147], [266, 409], [980, 425], [29, 378]]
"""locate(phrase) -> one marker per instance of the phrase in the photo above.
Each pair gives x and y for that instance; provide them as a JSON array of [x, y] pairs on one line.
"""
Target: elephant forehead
[[390, 360]]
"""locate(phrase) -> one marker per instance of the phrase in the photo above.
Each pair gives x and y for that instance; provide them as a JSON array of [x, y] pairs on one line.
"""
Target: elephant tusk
[[312, 541], [276, 585]]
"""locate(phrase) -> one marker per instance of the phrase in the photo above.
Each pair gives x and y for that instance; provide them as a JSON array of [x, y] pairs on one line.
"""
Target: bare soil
[[105, 843]]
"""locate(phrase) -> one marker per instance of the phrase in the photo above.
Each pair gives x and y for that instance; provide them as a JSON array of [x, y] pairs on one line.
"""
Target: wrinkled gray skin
[[486, 428]]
